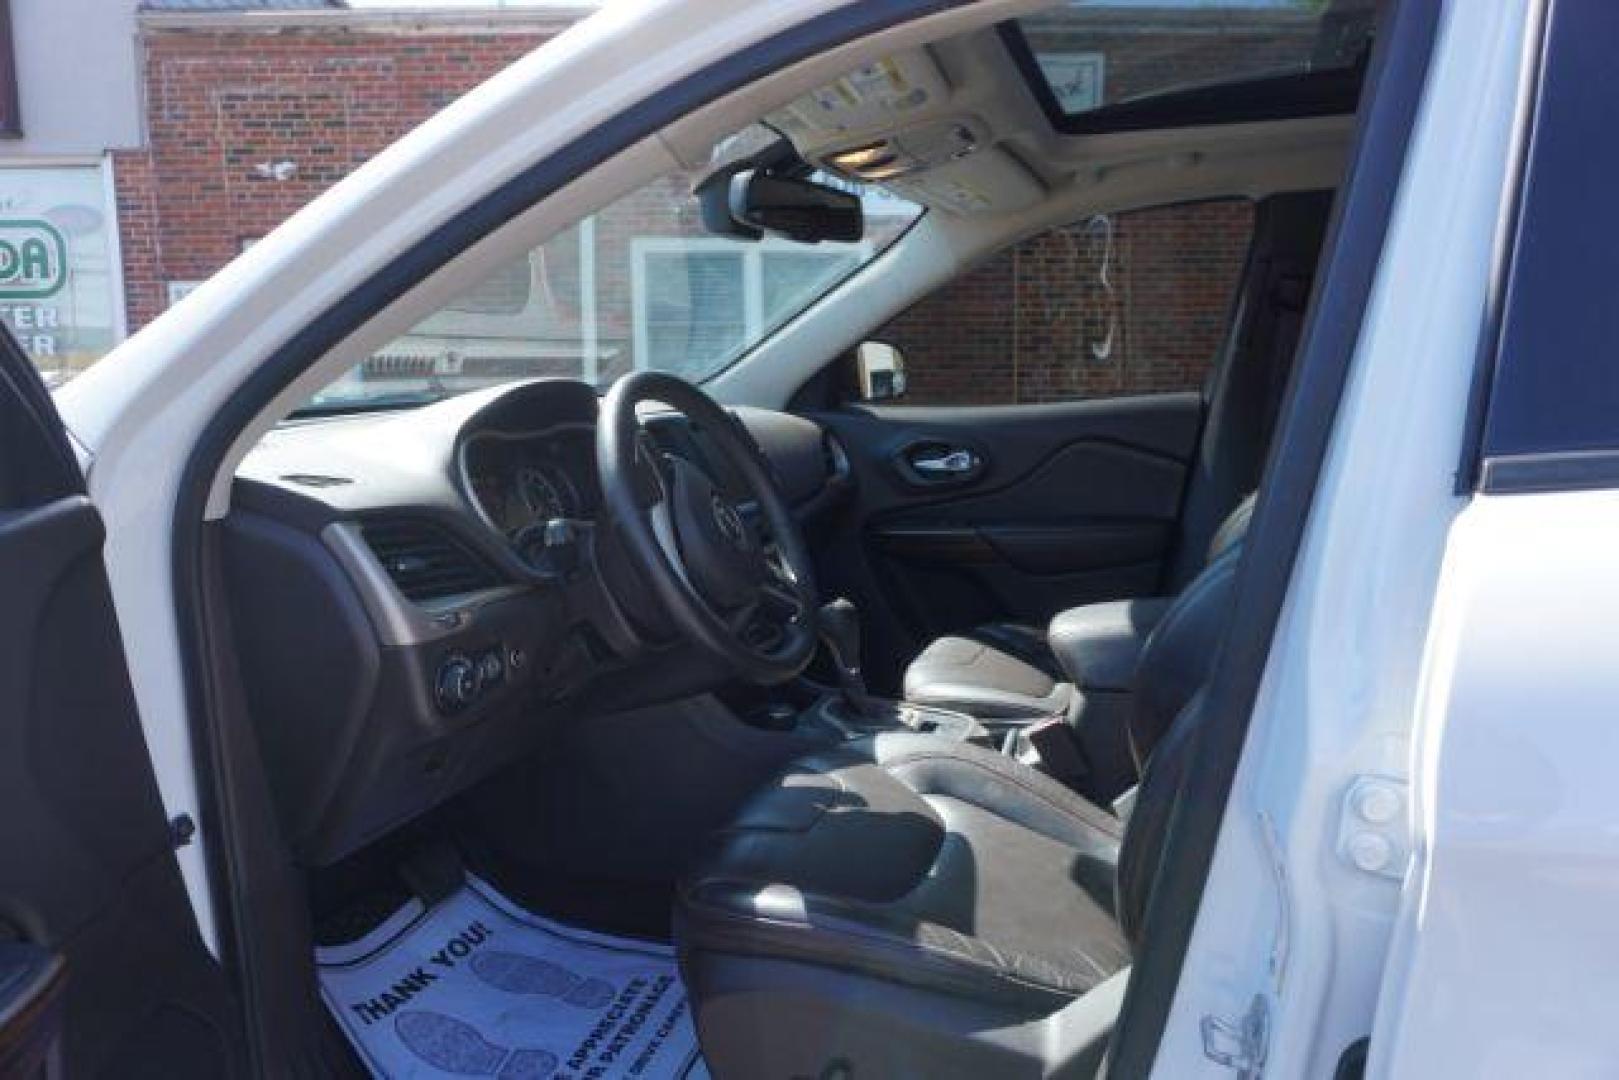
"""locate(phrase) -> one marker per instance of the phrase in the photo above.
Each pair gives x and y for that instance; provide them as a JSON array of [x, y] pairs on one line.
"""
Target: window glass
[[639, 284], [695, 312], [1094, 54], [507, 292], [1118, 304], [1557, 379]]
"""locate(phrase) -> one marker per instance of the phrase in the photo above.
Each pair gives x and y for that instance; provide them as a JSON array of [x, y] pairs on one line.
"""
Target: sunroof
[[1100, 65]]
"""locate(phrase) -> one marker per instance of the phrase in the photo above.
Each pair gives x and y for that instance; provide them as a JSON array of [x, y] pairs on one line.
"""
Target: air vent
[[425, 560], [315, 480]]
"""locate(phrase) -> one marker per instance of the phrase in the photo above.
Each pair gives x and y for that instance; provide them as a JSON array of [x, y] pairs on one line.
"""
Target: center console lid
[[1098, 645]]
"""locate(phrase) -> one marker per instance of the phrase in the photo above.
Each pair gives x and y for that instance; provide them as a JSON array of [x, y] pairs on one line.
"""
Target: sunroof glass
[[1095, 55]]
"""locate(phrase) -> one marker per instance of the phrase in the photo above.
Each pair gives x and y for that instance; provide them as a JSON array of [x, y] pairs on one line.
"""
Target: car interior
[[869, 701]]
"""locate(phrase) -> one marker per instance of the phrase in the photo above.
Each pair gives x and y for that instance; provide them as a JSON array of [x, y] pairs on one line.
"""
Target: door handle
[[952, 463]]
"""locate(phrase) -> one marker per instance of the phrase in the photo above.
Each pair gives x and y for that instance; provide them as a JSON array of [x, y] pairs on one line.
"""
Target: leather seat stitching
[[1077, 813], [886, 941]]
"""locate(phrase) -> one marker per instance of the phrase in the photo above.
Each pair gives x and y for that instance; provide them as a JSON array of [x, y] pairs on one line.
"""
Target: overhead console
[[894, 122], [901, 86]]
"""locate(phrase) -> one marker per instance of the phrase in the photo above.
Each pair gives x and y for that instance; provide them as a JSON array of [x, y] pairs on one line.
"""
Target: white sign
[[1075, 79], [476, 986], [59, 290]]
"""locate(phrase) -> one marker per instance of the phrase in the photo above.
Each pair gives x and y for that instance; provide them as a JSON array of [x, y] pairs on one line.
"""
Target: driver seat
[[908, 905]]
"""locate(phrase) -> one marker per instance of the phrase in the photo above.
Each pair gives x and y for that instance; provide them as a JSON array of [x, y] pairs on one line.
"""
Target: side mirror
[[881, 371], [800, 210]]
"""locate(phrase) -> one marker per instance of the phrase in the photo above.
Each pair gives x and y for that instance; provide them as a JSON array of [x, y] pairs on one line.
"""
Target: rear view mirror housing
[[770, 191], [794, 208]]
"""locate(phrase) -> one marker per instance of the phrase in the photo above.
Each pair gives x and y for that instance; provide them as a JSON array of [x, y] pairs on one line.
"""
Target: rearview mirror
[[881, 371], [800, 210]]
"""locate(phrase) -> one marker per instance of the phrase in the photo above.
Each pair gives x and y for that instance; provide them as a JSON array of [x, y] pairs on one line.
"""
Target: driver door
[[102, 969]]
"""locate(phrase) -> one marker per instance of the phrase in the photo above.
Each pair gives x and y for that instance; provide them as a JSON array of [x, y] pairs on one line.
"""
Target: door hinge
[[181, 830], [1239, 1044]]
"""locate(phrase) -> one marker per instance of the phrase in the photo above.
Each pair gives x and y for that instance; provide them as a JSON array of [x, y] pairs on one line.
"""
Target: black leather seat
[[1009, 671], [909, 905]]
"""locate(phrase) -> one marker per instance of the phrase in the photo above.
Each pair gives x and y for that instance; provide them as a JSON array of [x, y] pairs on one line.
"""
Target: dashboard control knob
[[457, 684], [491, 668]]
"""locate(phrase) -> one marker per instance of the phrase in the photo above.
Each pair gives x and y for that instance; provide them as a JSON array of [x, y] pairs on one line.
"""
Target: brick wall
[[1110, 306], [221, 103], [1124, 304]]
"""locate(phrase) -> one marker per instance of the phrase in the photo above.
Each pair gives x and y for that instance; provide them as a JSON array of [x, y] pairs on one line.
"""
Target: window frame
[[1491, 462], [1333, 92]]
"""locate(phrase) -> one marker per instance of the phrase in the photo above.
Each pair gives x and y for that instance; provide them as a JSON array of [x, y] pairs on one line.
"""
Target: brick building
[[250, 115], [253, 107]]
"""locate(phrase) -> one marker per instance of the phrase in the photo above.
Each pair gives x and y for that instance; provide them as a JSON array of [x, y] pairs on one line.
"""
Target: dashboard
[[404, 633]]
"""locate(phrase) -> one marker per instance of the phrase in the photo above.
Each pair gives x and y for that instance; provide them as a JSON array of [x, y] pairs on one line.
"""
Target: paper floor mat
[[475, 986]]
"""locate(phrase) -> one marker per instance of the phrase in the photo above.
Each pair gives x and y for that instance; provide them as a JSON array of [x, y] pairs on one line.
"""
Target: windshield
[[637, 285]]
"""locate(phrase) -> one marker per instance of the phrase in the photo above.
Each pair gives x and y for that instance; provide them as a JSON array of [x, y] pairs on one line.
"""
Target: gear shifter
[[839, 627]]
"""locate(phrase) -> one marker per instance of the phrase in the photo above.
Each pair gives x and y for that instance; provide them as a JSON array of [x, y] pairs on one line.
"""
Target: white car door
[[102, 970]]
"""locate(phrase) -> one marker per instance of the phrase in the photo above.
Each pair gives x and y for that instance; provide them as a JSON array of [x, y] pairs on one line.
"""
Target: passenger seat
[[1004, 671]]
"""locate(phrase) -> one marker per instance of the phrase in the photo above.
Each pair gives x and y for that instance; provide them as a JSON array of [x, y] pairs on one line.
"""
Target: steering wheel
[[743, 591]]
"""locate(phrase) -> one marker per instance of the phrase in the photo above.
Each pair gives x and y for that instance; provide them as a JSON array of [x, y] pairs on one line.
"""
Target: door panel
[[88, 878], [1054, 506]]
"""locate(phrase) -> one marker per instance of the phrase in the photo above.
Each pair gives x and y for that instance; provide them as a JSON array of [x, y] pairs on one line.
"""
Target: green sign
[[33, 259]]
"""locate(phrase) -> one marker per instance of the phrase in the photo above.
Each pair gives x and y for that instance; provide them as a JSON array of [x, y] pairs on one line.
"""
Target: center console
[[853, 711], [1083, 744], [850, 711], [832, 714]]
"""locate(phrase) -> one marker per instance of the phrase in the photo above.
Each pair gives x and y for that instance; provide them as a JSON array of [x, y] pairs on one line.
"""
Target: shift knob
[[839, 627]]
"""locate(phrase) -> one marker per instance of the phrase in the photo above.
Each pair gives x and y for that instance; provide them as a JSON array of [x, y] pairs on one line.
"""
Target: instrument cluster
[[518, 480]]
